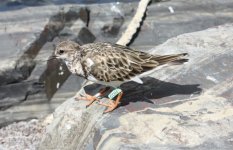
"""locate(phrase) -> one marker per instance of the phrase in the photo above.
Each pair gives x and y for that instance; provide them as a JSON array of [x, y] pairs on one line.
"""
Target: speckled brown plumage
[[118, 63], [109, 62]]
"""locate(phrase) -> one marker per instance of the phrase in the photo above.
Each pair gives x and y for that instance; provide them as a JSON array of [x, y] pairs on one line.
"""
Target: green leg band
[[114, 93]]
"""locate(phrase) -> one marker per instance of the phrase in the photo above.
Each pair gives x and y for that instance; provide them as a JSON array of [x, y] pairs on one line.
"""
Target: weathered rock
[[25, 42], [19, 36], [183, 111], [77, 125], [170, 18], [21, 135], [113, 28], [30, 63], [85, 36], [15, 93], [36, 104], [109, 26], [30, 99], [20, 29]]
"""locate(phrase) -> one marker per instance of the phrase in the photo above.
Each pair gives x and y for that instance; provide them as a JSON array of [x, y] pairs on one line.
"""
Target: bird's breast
[[76, 68]]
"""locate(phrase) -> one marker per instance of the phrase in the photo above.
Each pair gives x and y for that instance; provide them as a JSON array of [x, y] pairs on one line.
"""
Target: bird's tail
[[173, 59]]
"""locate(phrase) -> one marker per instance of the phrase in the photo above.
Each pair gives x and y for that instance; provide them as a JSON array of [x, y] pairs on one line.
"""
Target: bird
[[110, 65]]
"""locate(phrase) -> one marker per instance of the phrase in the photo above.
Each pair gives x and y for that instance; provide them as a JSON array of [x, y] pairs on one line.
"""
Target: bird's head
[[66, 50]]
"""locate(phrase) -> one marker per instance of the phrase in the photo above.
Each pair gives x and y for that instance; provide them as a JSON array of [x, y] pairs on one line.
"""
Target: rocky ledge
[[29, 30], [178, 107]]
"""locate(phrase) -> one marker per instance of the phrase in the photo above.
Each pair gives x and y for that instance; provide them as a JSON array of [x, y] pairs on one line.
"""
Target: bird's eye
[[61, 52]]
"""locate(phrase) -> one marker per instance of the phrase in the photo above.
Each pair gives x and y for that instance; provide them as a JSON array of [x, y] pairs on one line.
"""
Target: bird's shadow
[[152, 91]]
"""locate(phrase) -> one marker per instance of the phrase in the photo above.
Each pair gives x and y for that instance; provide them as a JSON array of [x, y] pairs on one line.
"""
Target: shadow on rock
[[153, 91]]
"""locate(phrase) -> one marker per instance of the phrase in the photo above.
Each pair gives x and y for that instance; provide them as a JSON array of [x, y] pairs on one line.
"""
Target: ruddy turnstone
[[111, 65]]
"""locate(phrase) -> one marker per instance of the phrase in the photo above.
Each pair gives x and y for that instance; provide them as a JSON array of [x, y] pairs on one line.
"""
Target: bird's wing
[[117, 63], [111, 62]]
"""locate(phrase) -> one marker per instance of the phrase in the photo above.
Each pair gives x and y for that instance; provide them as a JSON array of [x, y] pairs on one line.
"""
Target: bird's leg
[[93, 98], [113, 104]]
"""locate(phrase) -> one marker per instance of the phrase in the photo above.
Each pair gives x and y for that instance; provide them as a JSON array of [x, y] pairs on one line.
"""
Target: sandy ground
[[22, 135]]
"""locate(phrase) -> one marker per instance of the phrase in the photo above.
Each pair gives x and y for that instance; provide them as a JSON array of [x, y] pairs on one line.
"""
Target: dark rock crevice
[[26, 63], [20, 76]]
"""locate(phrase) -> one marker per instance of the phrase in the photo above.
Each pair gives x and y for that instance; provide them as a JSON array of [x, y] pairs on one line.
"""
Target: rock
[[33, 31], [29, 87], [25, 43], [21, 135], [35, 104], [85, 15], [26, 63], [109, 26], [181, 109], [85, 36], [76, 125], [15, 93], [114, 28], [167, 19], [20, 38]]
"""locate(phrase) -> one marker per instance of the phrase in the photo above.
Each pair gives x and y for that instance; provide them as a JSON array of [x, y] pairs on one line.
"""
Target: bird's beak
[[52, 57]]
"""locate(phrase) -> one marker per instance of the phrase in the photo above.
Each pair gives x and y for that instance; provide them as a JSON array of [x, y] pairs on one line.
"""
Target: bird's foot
[[112, 104], [87, 97], [91, 98]]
